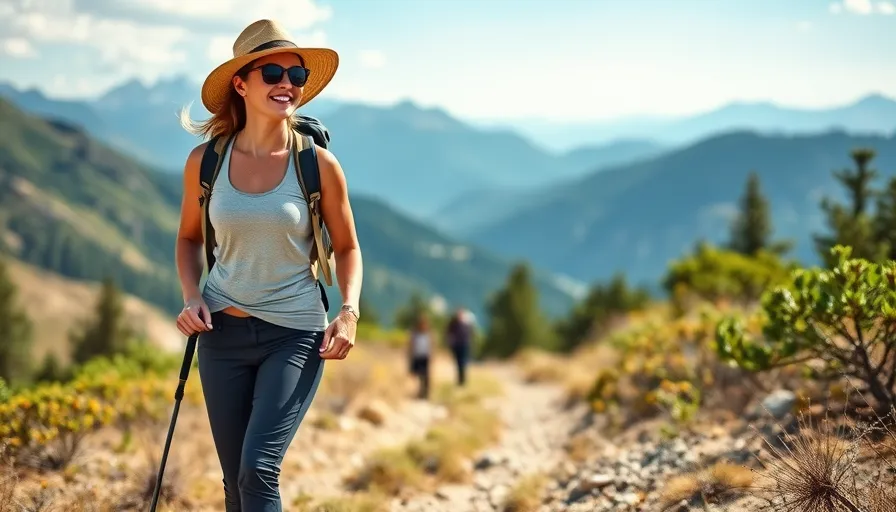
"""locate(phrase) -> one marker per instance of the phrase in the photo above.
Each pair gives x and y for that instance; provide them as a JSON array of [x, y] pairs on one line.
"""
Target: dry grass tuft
[[881, 497], [680, 488], [575, 372], [540, 366], [361, 502], [526, 495], [8, 483], [716, 484], [325, 420], [388, 471], [173, 492], [813, 473], [446, 448], [443, 454], [728, 476], [816, 469]]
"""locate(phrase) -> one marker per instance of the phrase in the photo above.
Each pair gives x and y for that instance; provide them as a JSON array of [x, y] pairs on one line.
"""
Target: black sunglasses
[[273, 73]]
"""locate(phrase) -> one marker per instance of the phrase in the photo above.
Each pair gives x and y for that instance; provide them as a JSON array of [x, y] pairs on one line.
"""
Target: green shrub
[[714, 274], [841, 320]]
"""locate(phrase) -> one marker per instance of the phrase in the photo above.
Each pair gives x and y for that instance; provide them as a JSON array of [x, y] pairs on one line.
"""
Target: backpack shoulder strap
[[309, 179], [208, 173]]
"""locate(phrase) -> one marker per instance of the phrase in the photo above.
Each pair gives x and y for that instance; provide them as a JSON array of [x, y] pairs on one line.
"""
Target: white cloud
[[294, 14], [148, 39], [17, 47], [863, 7], [220, 48], [317, 38], [859, 6], [372, 59], [39, 22]]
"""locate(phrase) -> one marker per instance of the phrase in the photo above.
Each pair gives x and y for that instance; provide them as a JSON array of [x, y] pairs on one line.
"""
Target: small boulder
[[375, 412], [779, 403]]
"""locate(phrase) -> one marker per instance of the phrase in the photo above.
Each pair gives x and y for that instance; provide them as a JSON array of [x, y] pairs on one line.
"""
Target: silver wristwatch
[[353, 311]]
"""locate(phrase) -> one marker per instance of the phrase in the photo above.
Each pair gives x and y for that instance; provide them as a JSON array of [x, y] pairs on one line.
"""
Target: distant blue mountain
[[871, 114], [72, 205], [416, 159], [636, 217]]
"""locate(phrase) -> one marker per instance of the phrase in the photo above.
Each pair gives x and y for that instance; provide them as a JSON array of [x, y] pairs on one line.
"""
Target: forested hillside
[[416, 159], [638, 217], [72, 205]]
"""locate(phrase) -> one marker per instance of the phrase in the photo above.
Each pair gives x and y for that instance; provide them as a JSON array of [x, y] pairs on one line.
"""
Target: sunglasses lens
[[297, 75], [271, 73]]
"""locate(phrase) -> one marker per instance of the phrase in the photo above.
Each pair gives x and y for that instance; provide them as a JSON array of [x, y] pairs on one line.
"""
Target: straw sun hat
[[261, 38]]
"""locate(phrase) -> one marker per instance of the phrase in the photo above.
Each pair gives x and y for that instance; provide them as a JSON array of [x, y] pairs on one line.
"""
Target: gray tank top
[[261, 261]]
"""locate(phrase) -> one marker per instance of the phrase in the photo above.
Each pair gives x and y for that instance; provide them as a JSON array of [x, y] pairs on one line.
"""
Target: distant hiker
[[420, 353], [459, 335], [264, 326]]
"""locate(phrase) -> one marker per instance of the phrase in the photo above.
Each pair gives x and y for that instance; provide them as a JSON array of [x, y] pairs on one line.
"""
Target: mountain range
[[75, 206], [470, 194], [636, 217], [871, 114], [417, 159]]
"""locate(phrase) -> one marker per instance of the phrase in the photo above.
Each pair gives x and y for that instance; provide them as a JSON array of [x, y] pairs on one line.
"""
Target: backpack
[[310, 131]]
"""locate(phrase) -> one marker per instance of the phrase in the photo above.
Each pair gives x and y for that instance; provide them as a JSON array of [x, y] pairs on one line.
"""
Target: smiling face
[[280, 99]]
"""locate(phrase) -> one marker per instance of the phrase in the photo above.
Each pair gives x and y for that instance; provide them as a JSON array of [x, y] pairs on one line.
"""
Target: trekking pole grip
[[185, 366]]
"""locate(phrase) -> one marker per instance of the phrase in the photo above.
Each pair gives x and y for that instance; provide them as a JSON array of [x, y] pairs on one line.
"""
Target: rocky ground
[[629, 476], [536, 427], [549, 456], [711, 466]]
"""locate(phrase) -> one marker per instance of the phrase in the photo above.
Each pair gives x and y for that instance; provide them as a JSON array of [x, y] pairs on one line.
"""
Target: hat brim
[[322, 63]]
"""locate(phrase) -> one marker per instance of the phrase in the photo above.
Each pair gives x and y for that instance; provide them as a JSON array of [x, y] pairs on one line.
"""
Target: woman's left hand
[[339, 337]]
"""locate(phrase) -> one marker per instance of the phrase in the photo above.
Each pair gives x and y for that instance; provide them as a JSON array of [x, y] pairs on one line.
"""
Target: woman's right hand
[[194, 317]]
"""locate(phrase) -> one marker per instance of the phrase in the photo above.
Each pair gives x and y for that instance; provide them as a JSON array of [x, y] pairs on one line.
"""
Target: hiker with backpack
[[459, 336], [266, 204], [420, 348]]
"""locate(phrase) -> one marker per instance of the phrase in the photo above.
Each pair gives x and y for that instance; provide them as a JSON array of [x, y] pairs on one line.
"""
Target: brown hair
[[230, 119], [422, 322]]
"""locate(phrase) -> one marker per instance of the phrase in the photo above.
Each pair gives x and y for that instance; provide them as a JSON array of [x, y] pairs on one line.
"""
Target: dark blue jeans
[[258, 380], [461, 358]]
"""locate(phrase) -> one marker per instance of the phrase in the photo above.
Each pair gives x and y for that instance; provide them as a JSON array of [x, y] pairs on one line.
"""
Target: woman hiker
[[420, 348], [264, 329]]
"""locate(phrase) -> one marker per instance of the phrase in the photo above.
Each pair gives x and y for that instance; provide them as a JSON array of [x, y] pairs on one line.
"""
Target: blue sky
[[560, 59]]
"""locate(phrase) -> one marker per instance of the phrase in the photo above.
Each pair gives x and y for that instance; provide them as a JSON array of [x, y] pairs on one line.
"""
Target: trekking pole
[[178, 395]]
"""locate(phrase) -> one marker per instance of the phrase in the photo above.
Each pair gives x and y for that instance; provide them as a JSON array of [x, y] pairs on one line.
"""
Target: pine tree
[[515, 320], [852, 224], [597, 308], [858, 183], [16, 333], [752, 229], [106, 333], [885, 219]]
